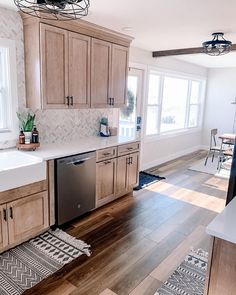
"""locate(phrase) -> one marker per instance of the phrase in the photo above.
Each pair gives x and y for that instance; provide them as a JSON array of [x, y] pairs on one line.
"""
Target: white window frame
[[172, 133], [12, 126]]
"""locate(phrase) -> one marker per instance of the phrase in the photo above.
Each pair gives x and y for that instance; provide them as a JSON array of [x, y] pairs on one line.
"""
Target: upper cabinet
[[74, 65], [79, 70], [100, 73], [54, 66], [109, 68], [119, 73]]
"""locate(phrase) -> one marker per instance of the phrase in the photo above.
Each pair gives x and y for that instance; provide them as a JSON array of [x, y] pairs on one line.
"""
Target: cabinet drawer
[[128, 148], [104, 154]]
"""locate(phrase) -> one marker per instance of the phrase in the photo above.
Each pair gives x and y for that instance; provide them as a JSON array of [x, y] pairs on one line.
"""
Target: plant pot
[[28, 137]]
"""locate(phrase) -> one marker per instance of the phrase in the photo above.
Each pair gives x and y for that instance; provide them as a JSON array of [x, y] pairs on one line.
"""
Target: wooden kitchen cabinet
[[109, 70], [54, 65], [127, 173], [100, 74], [3, 227], [74, 64], [27, 217], [105, 183], [79, 70], [24, 213], [119, 75]]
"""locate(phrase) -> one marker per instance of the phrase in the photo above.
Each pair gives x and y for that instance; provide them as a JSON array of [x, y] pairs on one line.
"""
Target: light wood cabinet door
[[27, 216], [122, 175], [3, 227], [54, 66], [105, 184], [119, 75], [100, 73], [133, 170], [79, 70]]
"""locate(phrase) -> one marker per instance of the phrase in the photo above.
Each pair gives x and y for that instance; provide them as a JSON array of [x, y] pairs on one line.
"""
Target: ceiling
[[204, 60], [164, 24]]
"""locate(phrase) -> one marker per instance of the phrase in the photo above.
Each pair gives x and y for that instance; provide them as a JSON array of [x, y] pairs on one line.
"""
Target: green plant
[[26, 121]]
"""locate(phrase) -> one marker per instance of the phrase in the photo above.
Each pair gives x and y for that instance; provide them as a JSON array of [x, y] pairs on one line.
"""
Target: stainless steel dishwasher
[[75, 186]]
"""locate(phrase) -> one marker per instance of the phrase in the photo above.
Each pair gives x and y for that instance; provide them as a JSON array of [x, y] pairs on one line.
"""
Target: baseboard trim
[[172, 157]]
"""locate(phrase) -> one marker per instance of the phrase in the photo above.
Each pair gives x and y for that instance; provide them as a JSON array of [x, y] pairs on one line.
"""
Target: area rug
[[146, 179], [189, 277], [211, 168], [26, 265]]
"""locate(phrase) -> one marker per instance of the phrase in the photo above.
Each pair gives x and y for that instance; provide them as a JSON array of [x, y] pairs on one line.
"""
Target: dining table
[[229, 137]]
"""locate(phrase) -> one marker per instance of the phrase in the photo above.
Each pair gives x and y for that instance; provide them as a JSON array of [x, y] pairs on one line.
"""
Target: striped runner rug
[[26, 265], [189, 277]]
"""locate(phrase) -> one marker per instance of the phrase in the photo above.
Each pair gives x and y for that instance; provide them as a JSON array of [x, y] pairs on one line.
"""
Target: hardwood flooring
[[137, 241]]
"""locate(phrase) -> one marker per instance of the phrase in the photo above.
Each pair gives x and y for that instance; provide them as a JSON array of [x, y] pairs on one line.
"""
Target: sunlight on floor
[[190, 196]]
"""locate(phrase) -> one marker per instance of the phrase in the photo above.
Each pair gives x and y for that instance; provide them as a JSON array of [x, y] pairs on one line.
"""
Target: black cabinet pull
[[109, 101], [67, 100], [5, 214], [131, 160], [71, 100], [128, 161], [113, 101], [11, 213]]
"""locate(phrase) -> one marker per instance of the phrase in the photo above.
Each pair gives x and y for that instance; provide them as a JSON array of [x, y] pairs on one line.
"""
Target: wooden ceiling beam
[[182, 51]]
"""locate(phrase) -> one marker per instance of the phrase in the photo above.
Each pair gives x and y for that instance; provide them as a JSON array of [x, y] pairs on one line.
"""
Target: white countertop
[[224, 225], [86, 144]]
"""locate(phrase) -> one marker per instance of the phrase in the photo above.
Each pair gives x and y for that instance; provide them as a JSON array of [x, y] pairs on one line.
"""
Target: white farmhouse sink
[[18, 169]]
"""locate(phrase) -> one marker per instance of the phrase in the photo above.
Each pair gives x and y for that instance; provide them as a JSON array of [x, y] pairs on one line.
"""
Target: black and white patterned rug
[[189, 277], [26, 265]]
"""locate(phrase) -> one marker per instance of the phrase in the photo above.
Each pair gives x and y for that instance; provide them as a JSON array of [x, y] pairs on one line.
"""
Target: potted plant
[[26, 124]]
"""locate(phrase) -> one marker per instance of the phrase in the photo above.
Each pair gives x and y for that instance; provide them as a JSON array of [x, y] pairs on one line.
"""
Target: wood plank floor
[[138, 241]]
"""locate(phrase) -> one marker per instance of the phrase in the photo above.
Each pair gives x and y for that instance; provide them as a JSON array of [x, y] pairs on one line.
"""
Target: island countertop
[[223, 226]]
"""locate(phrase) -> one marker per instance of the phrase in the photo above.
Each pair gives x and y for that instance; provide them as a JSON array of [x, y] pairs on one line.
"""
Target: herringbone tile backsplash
[[54, 125]]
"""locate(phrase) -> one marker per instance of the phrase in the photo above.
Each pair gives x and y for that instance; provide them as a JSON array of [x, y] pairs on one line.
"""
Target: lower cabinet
[[105, 184], [127, 173], [27, 217], [22, 219], [3, 227], [116, 176]]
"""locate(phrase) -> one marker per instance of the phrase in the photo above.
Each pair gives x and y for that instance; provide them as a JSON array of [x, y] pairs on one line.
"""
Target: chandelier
[[54, 9], [217, 46]]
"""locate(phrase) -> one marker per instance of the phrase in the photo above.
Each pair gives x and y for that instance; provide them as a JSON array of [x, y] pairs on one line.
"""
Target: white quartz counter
[[224, 225], [86, 144]]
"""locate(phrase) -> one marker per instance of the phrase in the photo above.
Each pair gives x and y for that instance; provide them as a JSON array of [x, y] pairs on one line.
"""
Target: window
[[174, 103], [8, 95]]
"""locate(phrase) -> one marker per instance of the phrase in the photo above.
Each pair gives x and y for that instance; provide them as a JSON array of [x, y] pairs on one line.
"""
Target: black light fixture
[[218, 45], [54, 9]]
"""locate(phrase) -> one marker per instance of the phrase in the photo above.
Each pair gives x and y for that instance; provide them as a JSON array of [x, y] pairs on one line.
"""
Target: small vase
[[28, 137]]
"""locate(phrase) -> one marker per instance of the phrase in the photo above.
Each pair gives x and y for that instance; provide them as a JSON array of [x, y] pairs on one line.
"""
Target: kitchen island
[[222, 261]]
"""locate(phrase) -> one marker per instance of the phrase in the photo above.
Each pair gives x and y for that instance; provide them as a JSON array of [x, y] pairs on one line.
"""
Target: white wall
[[161, 150], [219, 112]]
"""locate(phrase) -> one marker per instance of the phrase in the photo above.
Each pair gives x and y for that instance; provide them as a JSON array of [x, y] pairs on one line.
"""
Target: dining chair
[[225, 159], [213, 147]]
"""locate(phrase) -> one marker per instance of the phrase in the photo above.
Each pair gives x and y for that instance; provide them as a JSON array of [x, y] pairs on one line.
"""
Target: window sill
[[171, 134]]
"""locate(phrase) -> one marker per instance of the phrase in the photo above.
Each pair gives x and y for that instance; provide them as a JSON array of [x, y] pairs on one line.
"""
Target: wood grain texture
[[100, 73], [119, 74], [27, 216], [127, 236], [182, 51], [79, 70], [3, 227], [54, 65], [23, 191], [223, 268]]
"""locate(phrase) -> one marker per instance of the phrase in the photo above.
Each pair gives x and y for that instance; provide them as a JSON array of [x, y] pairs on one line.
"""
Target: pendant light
[[54, 9], [218, 45]]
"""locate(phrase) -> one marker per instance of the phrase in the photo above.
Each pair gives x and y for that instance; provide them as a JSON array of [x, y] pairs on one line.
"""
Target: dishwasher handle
[[79, 161]]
